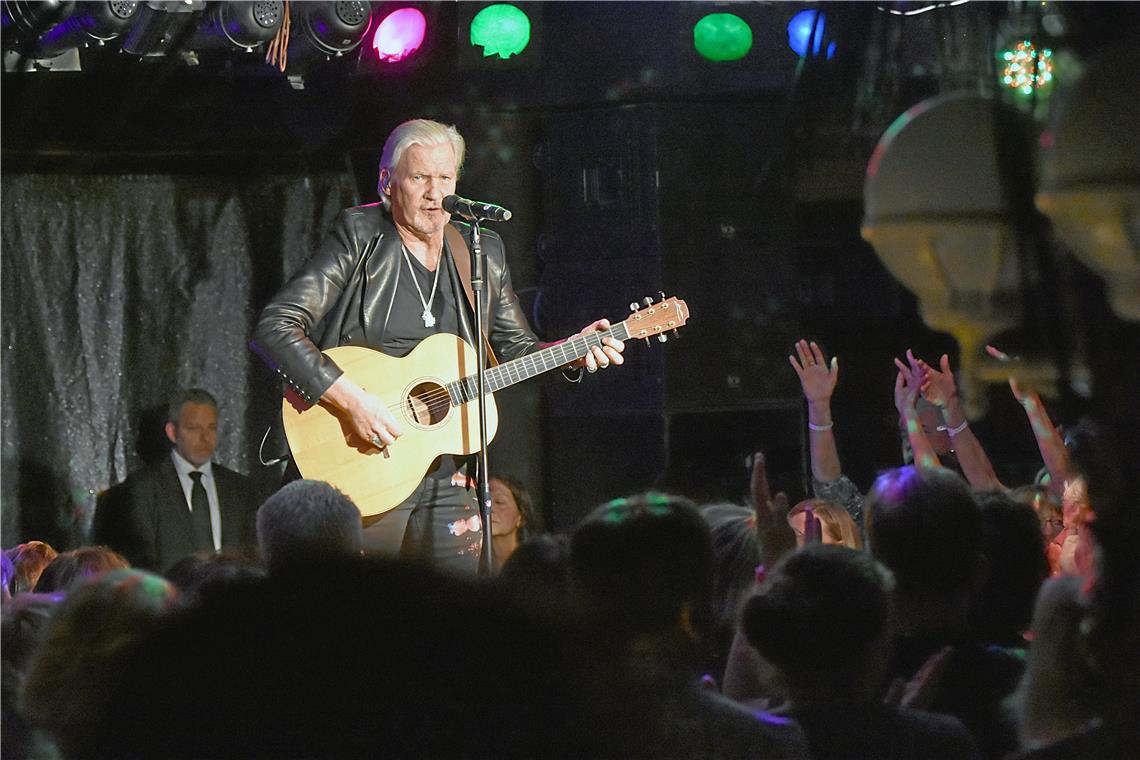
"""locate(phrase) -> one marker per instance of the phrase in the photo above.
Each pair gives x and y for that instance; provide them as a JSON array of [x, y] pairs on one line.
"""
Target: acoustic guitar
[[432, 392]]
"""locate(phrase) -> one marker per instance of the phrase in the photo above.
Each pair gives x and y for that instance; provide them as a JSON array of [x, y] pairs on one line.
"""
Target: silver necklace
[[427, 316]]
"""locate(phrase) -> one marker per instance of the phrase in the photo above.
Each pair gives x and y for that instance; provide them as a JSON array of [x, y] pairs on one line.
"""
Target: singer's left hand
[[600, 356]]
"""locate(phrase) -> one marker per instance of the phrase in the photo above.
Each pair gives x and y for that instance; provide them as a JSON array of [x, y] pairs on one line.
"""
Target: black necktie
[[200, 510]]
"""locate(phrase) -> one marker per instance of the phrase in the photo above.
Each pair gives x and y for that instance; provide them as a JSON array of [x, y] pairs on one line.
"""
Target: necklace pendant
[[429, 318]]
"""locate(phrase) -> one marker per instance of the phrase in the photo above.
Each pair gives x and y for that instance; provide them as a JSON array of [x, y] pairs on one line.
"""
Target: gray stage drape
[[117, 291]]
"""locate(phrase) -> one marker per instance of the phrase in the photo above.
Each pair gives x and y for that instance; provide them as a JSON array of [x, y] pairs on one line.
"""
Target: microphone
[[475, 211]]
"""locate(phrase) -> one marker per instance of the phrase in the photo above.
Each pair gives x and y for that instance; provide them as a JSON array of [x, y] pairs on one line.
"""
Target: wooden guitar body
[[414, 388]]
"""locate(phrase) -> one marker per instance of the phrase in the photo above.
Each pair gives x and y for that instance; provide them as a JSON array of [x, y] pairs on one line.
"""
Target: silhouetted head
[[71, 568], [926, 527], [307, 519], [822, 616], [644, 566]]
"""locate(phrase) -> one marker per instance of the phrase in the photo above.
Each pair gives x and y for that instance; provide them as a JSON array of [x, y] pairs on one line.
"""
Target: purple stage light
[[399, 35]]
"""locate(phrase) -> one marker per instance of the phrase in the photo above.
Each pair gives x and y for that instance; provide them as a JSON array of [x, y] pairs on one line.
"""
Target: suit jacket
[[145, 518]]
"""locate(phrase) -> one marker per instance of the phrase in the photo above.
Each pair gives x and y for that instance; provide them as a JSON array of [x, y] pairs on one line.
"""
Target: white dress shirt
[[184, 468]]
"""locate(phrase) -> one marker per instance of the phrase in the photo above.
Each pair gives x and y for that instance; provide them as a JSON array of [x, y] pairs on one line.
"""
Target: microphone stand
[[482, 485]]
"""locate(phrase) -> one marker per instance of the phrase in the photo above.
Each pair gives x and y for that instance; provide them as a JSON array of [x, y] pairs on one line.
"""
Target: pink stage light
[[399, 35]]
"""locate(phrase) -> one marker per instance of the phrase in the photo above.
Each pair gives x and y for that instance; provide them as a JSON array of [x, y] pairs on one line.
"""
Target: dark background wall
[[150, 208]]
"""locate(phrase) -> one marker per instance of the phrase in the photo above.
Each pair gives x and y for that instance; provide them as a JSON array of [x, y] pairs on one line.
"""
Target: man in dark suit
[[184, 503]]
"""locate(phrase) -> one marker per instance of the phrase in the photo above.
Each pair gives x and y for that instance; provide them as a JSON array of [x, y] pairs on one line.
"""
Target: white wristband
[[821, 428], [956, 430]]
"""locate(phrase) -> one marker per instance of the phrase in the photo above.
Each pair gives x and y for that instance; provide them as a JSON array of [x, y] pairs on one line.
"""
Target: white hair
[[416, 132]]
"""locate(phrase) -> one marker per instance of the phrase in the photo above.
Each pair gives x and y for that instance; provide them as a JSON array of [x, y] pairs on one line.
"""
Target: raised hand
[[1049, 441], [908, 387], [813, 528], [775, 535], [938, 385], [817, 378], [1018, 392]]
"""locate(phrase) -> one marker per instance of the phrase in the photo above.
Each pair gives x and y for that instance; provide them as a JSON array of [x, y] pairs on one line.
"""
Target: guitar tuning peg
[[647, 342], [662, 294], [647, 301], [675, 333], [633, 306], [662, 338]]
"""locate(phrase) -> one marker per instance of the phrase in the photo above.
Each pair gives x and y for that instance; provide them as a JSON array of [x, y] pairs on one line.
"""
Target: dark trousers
[[438, 524]]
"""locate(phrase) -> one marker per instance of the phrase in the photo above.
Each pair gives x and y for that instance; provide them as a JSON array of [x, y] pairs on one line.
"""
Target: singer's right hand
[[371, 419]]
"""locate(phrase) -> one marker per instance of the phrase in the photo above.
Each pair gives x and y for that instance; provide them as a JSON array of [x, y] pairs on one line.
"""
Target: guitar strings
[[440, 399]]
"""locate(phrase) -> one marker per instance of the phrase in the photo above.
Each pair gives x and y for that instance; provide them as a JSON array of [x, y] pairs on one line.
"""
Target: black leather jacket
[[344, 293]]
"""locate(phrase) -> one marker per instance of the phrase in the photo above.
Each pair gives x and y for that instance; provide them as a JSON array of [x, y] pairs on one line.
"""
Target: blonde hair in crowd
[[837, 524]]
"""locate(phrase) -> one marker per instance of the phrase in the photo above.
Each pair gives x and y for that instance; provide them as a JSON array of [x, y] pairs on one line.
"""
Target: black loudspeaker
[[600, 250], [592, 459], [727, 238], [690, 200], [686, 199], [708, 451], [600, 186]]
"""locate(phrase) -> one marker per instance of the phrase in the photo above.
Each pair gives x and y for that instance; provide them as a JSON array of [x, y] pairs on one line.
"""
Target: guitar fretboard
[[525, 367]]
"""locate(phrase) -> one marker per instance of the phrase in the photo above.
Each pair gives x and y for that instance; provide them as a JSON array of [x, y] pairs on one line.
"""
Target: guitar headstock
[[650, 319]]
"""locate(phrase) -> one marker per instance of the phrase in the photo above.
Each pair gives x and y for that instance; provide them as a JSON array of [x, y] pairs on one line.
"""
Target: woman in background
[[836, 525], [513, 518]]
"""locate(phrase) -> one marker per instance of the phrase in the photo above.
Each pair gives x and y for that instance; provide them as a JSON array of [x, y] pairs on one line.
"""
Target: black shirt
[[406, 326]]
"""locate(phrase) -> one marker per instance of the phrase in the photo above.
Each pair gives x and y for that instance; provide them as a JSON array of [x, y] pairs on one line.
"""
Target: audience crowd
[[938, 613]]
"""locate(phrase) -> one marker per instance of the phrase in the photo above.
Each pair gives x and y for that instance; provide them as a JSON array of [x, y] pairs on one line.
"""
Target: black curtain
[[119, 290]]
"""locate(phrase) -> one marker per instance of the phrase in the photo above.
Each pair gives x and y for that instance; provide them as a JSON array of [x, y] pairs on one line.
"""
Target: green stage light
[[722, 37], [501, 30]]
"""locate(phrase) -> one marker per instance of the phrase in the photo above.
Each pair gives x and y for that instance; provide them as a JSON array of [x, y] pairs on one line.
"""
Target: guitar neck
[[652, 320], [531, 365]]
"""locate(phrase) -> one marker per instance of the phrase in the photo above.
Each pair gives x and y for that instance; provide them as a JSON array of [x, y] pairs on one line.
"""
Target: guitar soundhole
[[427, 404]]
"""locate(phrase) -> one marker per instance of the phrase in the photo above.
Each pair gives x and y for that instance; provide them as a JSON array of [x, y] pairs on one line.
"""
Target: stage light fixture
[[501, 30], [320, 32], [331, 29], [722, 37], [800, 30], [163, 27], [242, 25], [25, 22], [399, 35], [48, 29]]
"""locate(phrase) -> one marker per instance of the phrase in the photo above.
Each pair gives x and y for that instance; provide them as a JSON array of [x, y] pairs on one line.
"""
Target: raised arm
[[772, 530], [938, 388], [1049, 441], [743, 680], [818, 379], [908, 386]]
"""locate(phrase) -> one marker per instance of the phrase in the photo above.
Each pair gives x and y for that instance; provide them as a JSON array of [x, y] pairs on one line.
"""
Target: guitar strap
[[461, 255]]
